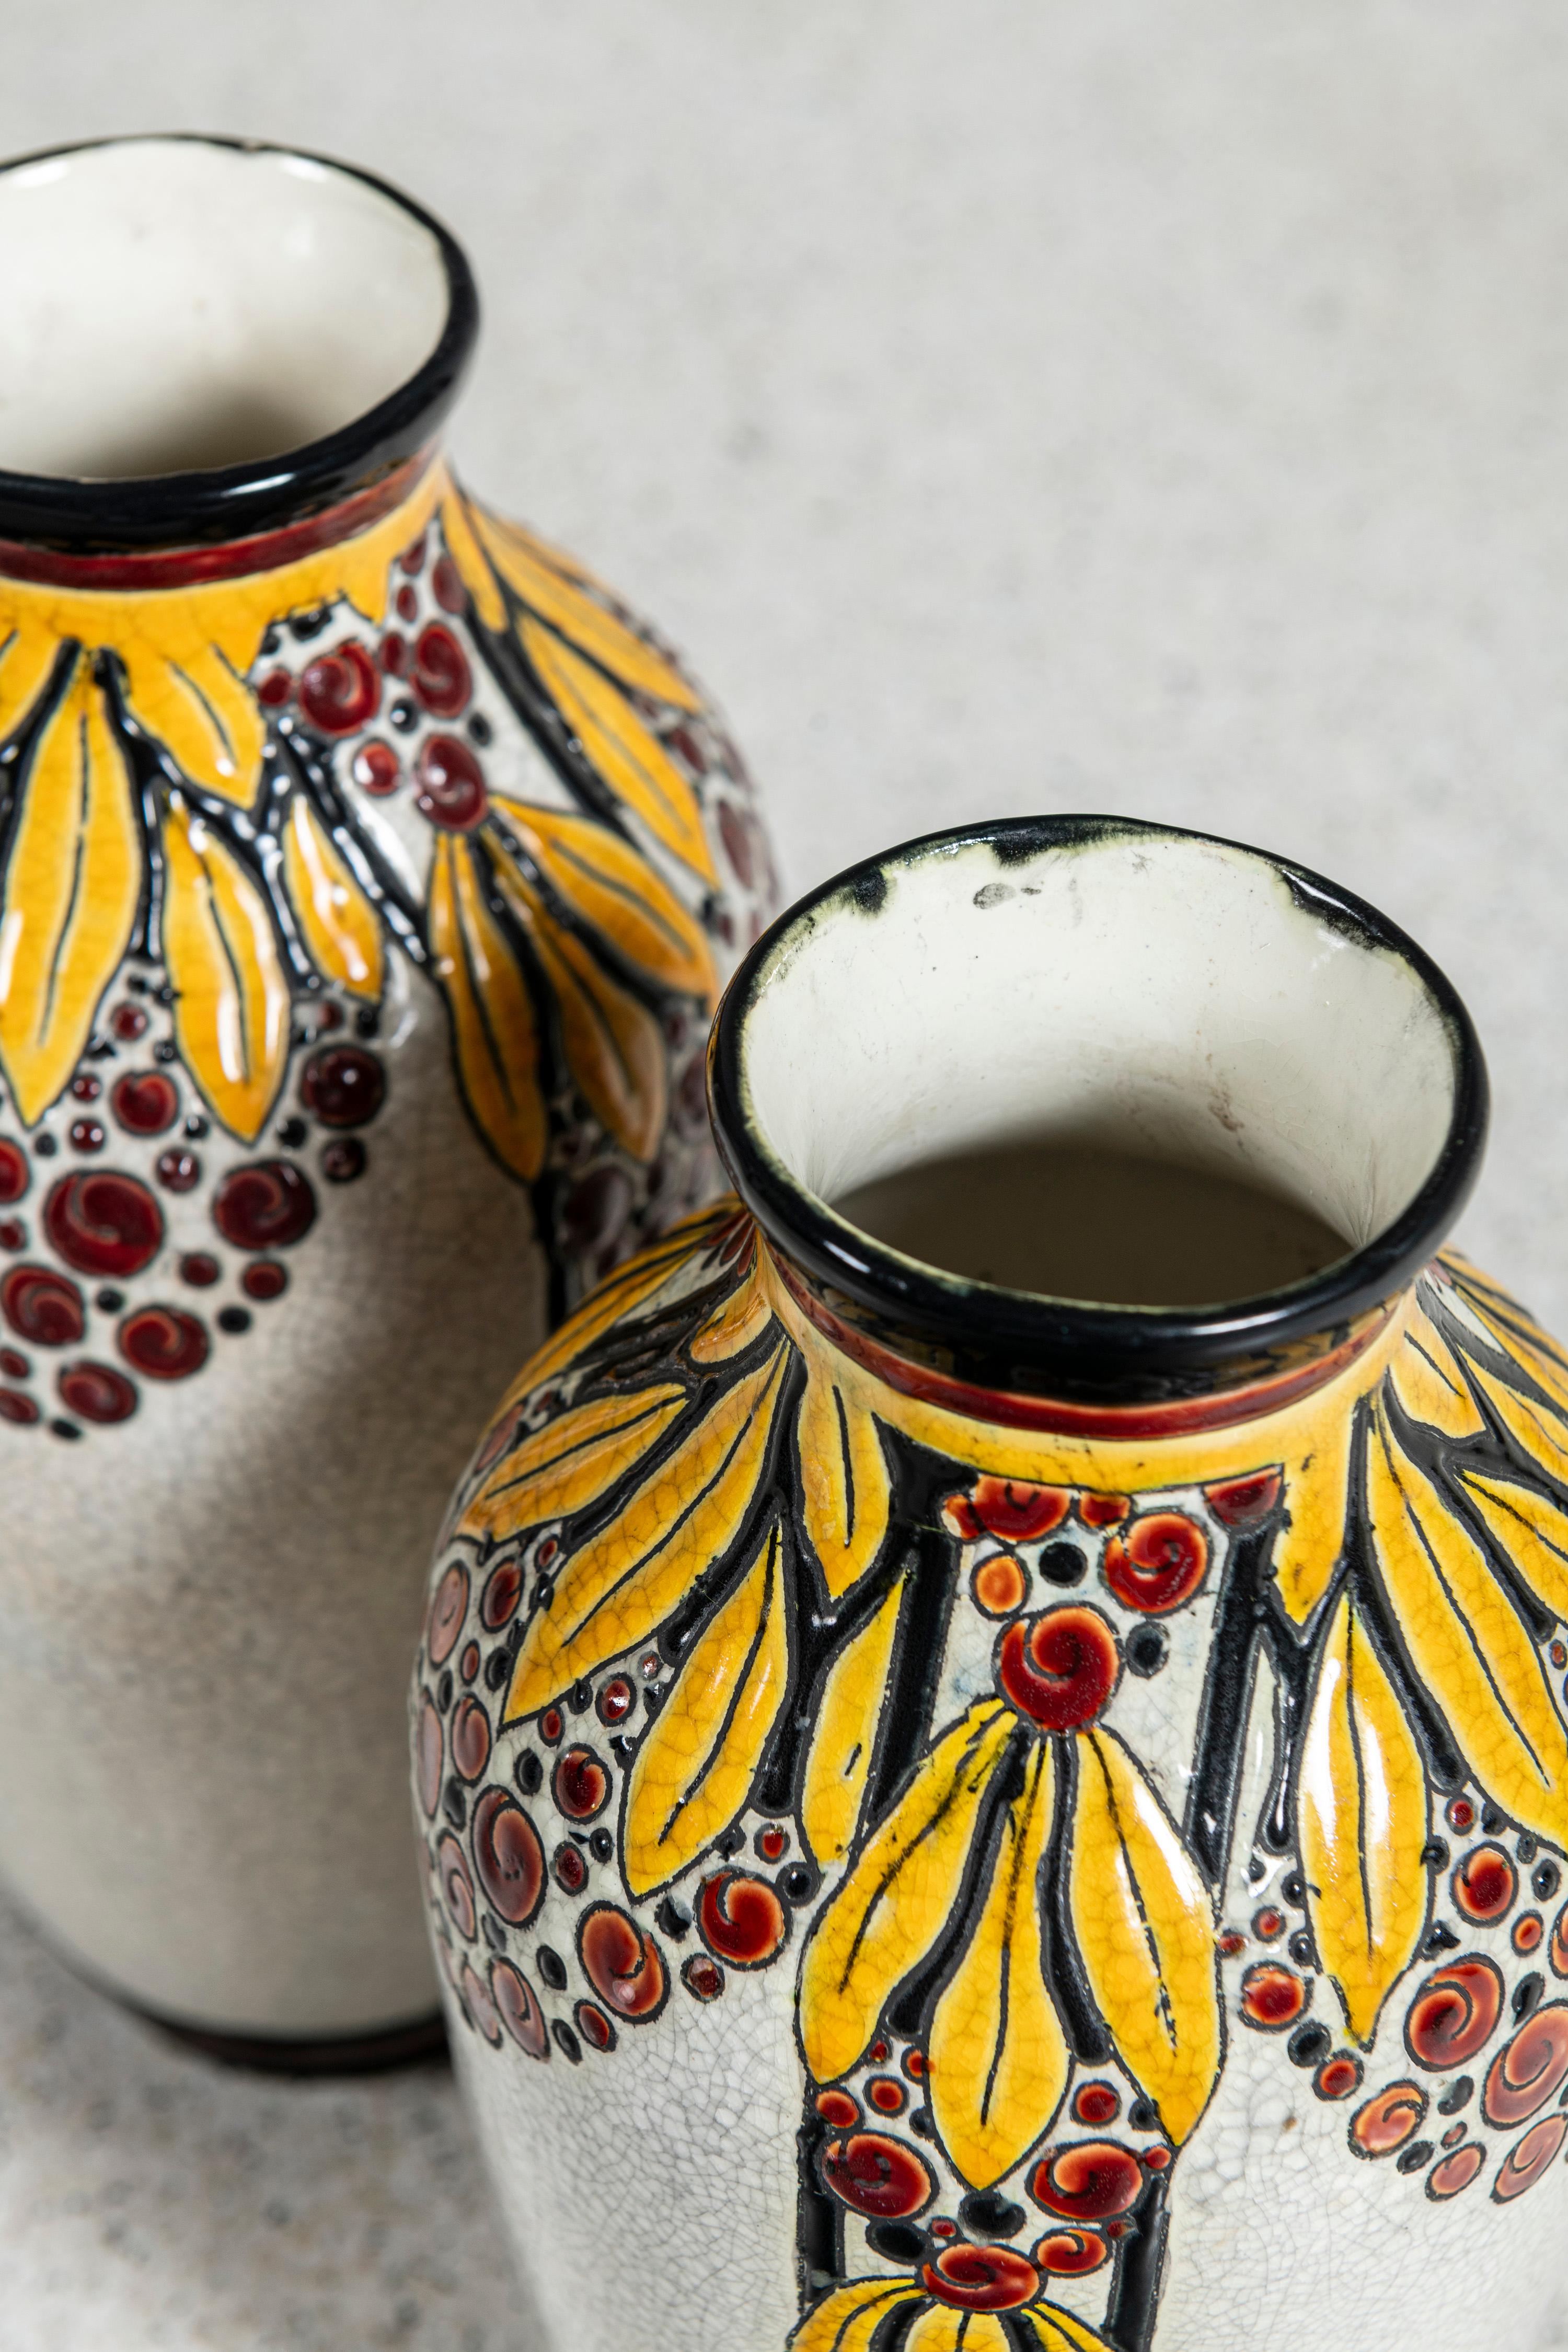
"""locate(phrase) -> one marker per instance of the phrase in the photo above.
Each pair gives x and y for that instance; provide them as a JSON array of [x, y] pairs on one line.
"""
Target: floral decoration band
[[849, 1677]]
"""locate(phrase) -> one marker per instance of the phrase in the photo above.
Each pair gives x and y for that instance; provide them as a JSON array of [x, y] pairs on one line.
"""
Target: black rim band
[[1010, 1340], [196, 510]]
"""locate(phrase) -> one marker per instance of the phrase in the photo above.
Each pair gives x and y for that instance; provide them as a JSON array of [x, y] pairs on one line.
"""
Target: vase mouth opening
[[209, 338], [1142, 1007]]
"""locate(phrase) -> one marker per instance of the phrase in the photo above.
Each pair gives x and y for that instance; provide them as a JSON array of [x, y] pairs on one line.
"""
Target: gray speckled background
[[1156, 405]]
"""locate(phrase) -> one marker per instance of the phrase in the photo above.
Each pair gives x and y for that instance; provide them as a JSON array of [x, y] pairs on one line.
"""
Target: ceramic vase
[[964, 1818], [368, 874]]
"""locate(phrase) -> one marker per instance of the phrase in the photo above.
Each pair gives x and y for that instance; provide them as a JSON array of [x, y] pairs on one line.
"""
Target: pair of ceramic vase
[[951, 1817]]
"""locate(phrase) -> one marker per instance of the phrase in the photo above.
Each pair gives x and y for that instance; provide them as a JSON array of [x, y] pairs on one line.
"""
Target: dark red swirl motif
[[97, 1393], [42, 1306], [622, 1965], [15, 1173], [439, 676], [1089, 2181], [451, 784], [594, 2026], [264, 1279], [1388, 2119], [470, 1737], [164, 1342], [1242, 1501], [145, 1102], [875, 2174], [580, 1784], [703, 1978], [376, 768], [476, 1998], [17, 1407], [503, 1590], [509, 1856], [741, 1919], [1272, 1996], [1060, 1669], [1454, 2012], [1069, 2253], [1529, 2070], [839, 2108], [339, 691], [981, 2278], [342, 1085], [457, 1887], [1485, 1883], [1096, 2104], [427, 1756], [264, 1207], [103, 1222], [1455, 2172], [1017, 1511], [1158, 1564], [518, 2007], [1528, 2158], [448, 1607], [177, 1170]]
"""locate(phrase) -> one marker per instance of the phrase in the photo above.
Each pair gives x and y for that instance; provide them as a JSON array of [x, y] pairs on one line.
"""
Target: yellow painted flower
[[176, 794], [1406, 1528]]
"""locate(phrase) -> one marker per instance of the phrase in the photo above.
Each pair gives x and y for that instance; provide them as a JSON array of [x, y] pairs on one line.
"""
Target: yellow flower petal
[[566, 604], [1145, 1930], [845, 2320], [627, 754], [340, 928], [695, 1768], [845, 1492], [1428, 1379], [569, 1462], [898, 1896], [1363, 1818], [613, 1045], [1468, 1644], [28, 651], [844, 1737], [73, 881], [1528, 1530], [733, 1325], [626, 1581], [997, 2063], [201, 711], [232, 1003], [606, 882], [473, 568], [631, 1285], [494, 1031]]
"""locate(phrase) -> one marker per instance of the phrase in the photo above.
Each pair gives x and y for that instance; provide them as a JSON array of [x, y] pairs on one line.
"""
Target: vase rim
[[88, 515], [985, 1337]]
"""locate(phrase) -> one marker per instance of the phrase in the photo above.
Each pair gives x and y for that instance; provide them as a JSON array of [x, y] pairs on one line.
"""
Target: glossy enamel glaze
[[368, 872], [1078, 1867]]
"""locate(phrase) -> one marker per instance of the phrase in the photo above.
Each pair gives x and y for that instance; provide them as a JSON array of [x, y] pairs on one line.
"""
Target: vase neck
[[1169, 997], [213, 345]]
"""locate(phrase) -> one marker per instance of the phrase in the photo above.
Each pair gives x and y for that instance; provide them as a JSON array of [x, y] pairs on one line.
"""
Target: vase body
[[956, 1820], [368, 872]]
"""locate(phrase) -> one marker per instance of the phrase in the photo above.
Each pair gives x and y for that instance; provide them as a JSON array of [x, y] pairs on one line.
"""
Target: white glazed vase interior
[[243, 303]]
